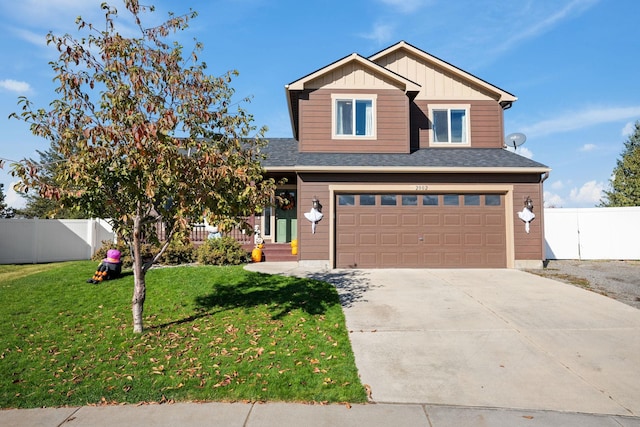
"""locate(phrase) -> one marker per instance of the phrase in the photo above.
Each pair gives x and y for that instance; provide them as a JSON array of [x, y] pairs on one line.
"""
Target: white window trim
[[467, 108], [359, 96]]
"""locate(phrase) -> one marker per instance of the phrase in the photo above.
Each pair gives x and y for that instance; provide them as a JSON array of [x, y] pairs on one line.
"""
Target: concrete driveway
[[488, 338]]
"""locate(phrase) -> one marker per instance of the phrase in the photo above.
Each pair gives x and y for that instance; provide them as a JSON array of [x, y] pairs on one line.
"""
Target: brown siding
[[316, 246], [486, 121], [313, 246], [392, 113], [486, 125], [528, 246]]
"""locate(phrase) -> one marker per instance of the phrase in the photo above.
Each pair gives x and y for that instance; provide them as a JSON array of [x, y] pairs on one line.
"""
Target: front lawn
[[211, 334]]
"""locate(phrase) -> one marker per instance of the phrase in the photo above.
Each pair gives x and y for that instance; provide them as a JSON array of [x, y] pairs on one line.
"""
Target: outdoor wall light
[[315, 204], [527, 214], [315, 214], [528, 203]]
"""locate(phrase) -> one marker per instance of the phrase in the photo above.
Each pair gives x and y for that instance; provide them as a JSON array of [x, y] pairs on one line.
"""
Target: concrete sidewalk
[[443, 348], [290, 415]]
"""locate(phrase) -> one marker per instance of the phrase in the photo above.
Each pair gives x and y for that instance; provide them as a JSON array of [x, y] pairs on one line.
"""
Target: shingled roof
[[282, 154]]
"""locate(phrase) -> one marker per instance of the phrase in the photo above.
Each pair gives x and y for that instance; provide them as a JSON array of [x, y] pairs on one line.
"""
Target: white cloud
[[581, 119], [552, 200], [405, 6], [543, 21], [15, 86], [54, 13], [587, 195], [557, 185], [381, 33], [628, 129], [588, 147]]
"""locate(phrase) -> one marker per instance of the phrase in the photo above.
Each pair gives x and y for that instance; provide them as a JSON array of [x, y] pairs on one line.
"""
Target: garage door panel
[[431, 220], [452, 259], [473, 220], [347, 219], [346, 259], [451, 219], [408, 220], [495, 239], [367, 219], [345, 239], [473, 239], [367, 239], [432, 259], [474, 259], [410, 259], [451, 239], [368, 259], [389, 239], [494, 219], [390, 219], [432, 239], [409, 239]]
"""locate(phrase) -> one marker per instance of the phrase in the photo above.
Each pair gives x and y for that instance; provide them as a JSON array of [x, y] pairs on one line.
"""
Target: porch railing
[[199, 233]]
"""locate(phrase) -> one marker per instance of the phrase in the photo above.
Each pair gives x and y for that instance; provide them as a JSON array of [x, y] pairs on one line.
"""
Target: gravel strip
[[619, 280]]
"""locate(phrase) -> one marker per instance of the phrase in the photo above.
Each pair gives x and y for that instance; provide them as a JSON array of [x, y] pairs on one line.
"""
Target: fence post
[[91, 236], [34, 240]]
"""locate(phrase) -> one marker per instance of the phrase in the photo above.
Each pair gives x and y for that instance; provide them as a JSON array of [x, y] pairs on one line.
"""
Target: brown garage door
[[420, 230]]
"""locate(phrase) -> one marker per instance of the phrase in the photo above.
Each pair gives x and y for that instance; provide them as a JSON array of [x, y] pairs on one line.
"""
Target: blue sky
[[573, 64]]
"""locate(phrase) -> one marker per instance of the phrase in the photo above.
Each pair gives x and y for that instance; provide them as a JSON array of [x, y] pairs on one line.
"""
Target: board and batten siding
[[392, 127], [436, 83]]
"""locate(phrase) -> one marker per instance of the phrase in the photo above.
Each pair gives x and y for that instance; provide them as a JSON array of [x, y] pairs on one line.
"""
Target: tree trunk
[[139, 295], [139, 273]]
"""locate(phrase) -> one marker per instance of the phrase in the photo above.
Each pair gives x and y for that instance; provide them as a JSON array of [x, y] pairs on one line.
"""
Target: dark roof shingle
[[283, 152]]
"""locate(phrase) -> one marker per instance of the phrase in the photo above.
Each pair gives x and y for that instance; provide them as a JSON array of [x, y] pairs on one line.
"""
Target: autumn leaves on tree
[[144, 133]]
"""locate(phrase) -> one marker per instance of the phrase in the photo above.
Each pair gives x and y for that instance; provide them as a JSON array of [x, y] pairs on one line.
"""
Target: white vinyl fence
[[25, 241], [592, 233]]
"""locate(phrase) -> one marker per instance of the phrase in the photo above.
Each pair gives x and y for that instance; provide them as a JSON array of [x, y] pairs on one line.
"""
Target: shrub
[[222, 251], [125, 254], [147, 251], [178, 253]]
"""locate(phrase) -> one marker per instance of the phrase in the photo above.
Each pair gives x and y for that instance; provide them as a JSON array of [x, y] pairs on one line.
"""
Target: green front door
[[286, 218]]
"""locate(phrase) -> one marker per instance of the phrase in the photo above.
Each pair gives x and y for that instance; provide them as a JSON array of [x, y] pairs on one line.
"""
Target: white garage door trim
[[425, 188]]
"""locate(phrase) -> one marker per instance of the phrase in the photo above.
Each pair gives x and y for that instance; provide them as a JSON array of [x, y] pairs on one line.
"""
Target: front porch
[[273, 251]]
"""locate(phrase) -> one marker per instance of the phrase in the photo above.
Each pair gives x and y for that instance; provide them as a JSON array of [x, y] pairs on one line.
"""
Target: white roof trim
[[354, 57], [406, 169]]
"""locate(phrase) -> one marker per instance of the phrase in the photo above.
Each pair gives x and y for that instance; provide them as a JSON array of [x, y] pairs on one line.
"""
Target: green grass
[[212, 334]]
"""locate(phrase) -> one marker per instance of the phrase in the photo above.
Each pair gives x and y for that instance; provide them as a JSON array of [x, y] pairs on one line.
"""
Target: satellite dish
[[515, 139]]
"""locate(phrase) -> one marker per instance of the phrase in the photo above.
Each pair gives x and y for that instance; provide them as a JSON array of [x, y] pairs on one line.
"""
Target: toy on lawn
[[109, 268]]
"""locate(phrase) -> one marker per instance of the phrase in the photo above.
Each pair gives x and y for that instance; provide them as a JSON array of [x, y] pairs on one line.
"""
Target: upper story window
[[354, 116], [450, 124]]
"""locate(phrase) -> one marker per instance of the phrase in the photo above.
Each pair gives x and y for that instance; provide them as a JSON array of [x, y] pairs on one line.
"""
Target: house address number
[[422, 187]]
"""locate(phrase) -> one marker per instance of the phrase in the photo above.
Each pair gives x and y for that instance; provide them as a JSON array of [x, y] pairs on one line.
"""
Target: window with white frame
[[354, 116], [450, 124]]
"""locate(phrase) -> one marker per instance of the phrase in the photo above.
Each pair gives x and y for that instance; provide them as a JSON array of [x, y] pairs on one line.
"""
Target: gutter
[[407, 169]]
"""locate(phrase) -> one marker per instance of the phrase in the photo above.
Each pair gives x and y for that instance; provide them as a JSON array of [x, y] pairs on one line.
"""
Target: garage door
[[420, 230]]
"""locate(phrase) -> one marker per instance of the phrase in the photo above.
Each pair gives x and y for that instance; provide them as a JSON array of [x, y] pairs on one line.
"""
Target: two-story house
[[405, 154]]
